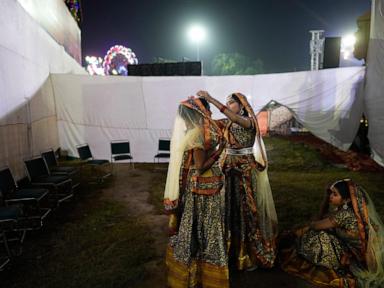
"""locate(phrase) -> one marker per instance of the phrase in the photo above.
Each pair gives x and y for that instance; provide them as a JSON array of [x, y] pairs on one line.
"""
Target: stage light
[[347, 46], [197, 35]]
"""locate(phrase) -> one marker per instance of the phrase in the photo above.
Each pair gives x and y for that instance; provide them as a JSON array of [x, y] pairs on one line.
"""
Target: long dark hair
[[343, 189], [236, 98]]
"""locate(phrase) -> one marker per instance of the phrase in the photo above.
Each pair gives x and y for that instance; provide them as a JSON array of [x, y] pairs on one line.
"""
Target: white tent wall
[[55, 18], [28, 54], [97, 110], [374, 90]]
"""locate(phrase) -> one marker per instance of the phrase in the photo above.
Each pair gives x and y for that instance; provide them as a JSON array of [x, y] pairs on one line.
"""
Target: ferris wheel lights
[[115, 61]]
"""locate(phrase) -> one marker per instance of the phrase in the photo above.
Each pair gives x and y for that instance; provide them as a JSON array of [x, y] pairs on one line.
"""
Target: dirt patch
[[131, 187]]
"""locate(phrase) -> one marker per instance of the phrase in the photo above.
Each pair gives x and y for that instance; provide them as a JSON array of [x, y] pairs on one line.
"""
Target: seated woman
[[342, 249], [196, 253]]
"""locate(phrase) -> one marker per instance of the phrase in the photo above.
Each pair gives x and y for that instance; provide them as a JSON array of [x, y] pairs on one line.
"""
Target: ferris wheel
[[117, 59]]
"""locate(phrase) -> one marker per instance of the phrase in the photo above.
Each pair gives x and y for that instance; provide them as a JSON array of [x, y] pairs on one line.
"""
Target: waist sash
[[242, 151]]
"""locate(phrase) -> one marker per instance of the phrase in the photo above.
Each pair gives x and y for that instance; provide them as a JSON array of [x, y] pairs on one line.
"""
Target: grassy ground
[[96, 241], [92, 242], [298, 177]]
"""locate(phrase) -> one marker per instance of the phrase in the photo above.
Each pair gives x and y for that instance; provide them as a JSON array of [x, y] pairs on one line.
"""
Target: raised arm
[[242, 121]]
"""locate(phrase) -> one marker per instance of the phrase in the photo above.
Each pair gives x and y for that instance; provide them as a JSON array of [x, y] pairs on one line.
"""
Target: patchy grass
[[298, 176], [94, 242], [99, 245], [284, 155], [298, 194]]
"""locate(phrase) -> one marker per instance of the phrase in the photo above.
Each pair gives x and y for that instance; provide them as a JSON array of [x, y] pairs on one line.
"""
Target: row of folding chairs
[[121, 150], [26, 208]]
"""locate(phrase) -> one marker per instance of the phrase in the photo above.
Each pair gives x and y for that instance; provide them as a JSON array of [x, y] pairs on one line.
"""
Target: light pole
[[196, 34]]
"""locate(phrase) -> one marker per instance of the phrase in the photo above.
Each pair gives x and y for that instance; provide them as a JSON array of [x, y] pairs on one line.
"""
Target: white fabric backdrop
[[56, 19], [27, 110], [97, 110], [374, 93], [100, 109]]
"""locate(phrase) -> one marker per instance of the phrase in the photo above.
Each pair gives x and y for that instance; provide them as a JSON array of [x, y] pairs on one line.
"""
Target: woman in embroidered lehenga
[[196, 253], [342, 249], [251, 220]]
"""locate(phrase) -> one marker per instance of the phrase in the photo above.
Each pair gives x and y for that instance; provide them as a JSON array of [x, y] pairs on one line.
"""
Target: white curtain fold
[[98, 110]]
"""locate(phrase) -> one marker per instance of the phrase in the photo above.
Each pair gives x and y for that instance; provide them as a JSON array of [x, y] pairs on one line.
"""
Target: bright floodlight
[[196, 33], [349, 40], [347, 46]]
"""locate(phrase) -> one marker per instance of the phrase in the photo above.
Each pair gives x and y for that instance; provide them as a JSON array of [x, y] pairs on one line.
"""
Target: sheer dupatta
[[266, 205], [371, 234], [192, 129]]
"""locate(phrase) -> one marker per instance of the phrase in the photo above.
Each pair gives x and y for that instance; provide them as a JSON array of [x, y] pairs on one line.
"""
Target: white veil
[[187, 134], [373, 275], [268, 213]]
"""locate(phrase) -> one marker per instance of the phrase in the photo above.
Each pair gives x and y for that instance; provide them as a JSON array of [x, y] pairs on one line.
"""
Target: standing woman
[[196, 254], [251, 220]]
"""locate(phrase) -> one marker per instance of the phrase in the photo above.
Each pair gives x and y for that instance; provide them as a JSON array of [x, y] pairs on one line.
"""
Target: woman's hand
[[301, 231], [205, 95]]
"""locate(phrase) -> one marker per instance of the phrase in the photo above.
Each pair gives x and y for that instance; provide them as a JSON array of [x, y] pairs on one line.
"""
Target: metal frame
[[69, 174], [9, 227], [100, 178], [128, 154], [27, 202], [162, 151], [53, 187]]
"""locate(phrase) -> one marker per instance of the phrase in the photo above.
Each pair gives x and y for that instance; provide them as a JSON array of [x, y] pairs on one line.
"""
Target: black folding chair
[[5, 256], [163, 151], [85, 154], [8, 221], [30, 198], [120, 150], [60, 186], [54, 168]]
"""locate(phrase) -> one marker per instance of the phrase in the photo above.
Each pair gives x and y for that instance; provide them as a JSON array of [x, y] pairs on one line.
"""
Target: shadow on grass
[[91, 243], [94, 242]]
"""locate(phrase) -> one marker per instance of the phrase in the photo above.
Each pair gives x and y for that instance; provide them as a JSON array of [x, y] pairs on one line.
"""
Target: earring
[[242, 111], [345, 206]]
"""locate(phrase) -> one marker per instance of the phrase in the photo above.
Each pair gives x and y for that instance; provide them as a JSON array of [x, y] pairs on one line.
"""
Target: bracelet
[[223, 108]]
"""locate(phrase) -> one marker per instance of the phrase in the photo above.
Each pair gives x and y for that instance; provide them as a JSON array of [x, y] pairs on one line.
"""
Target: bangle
[[223, 108]]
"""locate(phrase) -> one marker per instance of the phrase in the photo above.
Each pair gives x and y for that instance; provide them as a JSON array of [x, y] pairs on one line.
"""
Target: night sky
[[274, 31]]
